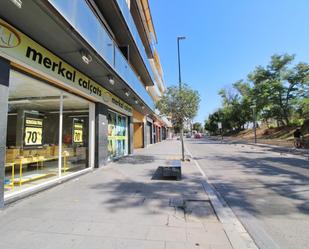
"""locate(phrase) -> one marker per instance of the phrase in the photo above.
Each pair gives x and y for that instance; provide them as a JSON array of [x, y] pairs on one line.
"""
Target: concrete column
[[145, 142], [101, 135], [4, 93], [153, 133], [20, 128], [131, 135]]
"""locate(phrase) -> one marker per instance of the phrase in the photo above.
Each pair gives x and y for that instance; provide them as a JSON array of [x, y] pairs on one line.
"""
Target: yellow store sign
[[8, 37], [18, 47]]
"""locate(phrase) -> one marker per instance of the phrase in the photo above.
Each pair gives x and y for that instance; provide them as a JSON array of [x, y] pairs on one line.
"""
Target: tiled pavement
[[118, 206]]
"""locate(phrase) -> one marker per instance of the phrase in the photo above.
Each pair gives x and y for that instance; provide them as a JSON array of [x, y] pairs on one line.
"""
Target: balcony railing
[[84, 21], [123, 6]]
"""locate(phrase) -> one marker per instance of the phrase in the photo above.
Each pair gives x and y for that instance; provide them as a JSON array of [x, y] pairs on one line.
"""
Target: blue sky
[[226, 39]]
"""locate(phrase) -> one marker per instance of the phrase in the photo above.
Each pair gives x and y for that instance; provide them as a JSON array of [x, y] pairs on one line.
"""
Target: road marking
[[235, 231]]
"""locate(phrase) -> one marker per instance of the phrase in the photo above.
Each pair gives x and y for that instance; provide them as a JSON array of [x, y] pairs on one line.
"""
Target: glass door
[[117, 135]]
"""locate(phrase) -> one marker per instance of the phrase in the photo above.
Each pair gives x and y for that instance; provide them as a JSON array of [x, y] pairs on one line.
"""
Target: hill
[[278, 136]]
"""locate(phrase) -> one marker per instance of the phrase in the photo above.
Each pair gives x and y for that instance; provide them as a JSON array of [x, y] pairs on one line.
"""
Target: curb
[[235, 231]]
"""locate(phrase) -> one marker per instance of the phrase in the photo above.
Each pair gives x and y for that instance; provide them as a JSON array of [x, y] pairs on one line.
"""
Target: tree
[[211, 124], [235, 111], [180, 105], [198, 127], [280, 91], [276, 86]]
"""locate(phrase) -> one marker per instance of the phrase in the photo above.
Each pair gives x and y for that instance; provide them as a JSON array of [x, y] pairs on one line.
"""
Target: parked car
[[198, 135], [188, 135]]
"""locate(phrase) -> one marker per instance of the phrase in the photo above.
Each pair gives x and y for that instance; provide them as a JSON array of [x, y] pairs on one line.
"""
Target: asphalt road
[[268, 191]]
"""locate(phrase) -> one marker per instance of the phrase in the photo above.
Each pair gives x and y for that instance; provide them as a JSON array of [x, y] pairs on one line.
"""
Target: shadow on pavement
[[136, 159], [153, 197], [295, 185]]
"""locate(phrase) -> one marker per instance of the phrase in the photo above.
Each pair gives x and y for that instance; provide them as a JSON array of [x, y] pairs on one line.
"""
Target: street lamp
[[253, 107], [179, 72]]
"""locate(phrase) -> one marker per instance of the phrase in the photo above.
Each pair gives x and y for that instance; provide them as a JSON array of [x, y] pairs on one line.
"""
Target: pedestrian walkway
[[118, 206]]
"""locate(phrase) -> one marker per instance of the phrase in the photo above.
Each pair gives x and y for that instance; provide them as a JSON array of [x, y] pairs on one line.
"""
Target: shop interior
[[34, 131]]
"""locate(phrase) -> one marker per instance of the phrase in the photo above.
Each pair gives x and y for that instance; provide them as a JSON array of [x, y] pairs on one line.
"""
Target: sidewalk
[[118, 207]]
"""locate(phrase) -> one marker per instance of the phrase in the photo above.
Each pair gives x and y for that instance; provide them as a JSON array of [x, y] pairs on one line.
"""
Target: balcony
[[80, 16], [123, 6]]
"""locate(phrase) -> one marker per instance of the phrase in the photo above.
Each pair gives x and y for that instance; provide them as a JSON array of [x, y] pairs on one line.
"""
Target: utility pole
[[254, 121]]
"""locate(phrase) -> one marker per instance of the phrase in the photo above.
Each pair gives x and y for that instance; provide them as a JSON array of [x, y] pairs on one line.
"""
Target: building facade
[[78, 82]]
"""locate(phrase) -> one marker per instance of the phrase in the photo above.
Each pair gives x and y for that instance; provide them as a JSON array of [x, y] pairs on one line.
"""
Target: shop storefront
[[158, 137], [138, 138], [51, 127], [164, 133], [149, 131]]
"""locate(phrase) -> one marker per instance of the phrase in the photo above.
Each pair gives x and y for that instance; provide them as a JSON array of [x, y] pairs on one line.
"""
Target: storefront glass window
[[74, 133], [32, 148]]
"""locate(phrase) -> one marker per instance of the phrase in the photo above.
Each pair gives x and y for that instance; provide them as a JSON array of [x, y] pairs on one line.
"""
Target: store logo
[[8, 37]]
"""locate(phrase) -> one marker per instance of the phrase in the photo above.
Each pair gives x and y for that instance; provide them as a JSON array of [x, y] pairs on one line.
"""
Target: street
[[267, 190]]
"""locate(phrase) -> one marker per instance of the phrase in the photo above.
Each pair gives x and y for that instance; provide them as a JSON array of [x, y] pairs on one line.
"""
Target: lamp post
[[179, 74], [179, 71], [253, 107]]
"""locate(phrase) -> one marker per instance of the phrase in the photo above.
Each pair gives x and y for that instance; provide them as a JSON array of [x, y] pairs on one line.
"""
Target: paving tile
[[8, 240], [185, 245], [213, 226], [153, 219], [176, 221], [195, 224], [167, 234], [81, 228], [132, 231], [91, 242], [139, 244], [102, 229], [175, 245], [198, 236], [199, 211], [221, 247], [48, 241]]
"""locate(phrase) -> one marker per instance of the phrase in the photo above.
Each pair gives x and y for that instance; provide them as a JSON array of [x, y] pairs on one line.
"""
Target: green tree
[[197, 126], [280, 91], [180, 105], [211, 124], [235, 110], [276, 86]]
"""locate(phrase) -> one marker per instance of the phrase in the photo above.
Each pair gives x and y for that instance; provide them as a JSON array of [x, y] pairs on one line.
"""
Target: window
[[47, 132]]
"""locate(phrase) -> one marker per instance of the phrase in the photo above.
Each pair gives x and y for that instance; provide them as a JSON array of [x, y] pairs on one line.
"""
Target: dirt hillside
[[278, 136]]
